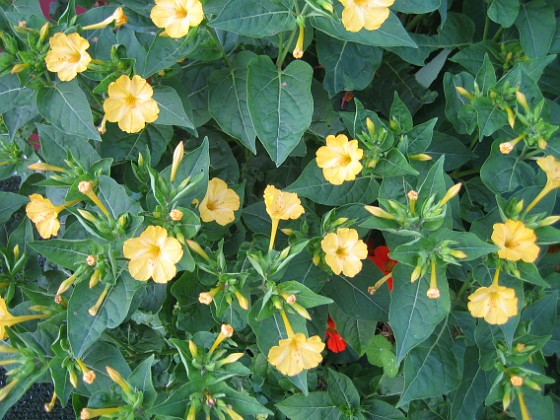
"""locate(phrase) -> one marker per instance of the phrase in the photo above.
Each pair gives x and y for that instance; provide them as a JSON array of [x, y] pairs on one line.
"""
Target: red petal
[[336, 343]]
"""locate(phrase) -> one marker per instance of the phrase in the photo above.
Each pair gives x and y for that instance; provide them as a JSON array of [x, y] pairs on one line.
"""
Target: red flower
[[380, 257], [335, 342]]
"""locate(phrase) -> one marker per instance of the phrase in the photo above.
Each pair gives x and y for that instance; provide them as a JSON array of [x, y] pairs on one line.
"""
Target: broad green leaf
[[21, 389], [380, 353], [19, 116], [412, 315], [342, 391], [375, 409], [252, 18], [416, 6], [541, 315], [115, 198], [313, 185], [431, 368], [473, 388], [486, 76], [536, 25], [455, 152], [141, 379], [66, 253], [504, 12], [56, 144], [162, 53], [280, 104], [356, 332], [489, 117], [243, 404], [469, 243], [305, 297], [420, 137], [303, 269], [394, 164], [10, 90], [227, 100], [391, 34], [171, 111], [84, 329], [9, 204], [316, 405], [351, 294], [348, 65], [66, 107], [505, 173], [400, 114]]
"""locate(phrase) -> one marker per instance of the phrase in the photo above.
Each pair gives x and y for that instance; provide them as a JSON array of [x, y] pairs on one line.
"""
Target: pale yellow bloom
[[344, 251], [516, 241], [8, 320], [44, 214], [340, 159], [177, 16], [153, 254], [281, 205], [368, 14], [219, 203], [130, 103], [67, 56], [296, 353], [496, 304], [551, 166]]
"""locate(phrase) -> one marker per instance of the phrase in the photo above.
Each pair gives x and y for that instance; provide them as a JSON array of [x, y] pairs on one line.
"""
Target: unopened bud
[[506, 148], [451, 192], [370, 126], [464, 92], [195, 247], [94, 279], [457, 253], [193, 349], [519, 347], [73, 377], [91, 260], [45, 167], [301, 311], [44, 32], [516, 380], [326, 5], [542, 144], [232, 358], [316, 259], [550, 220], [226, 330], [416, 273], [18, 68], [379, 212], [243, 302], [511, 117], [522, 100], [178, 155], [422, 157], [433, 293], [176, 215]]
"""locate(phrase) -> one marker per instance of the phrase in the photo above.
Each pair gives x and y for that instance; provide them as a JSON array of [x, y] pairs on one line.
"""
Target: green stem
[[414, 22], [486, 27], [280, 48], [93, 95], [214, 36], [285, 48], [498, 34], [466, 284]]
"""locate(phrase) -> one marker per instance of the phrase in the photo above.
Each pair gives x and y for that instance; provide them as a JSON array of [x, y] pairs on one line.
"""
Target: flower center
[[341, 252], [361, 3], [511, 243], [155, 251], [131, 101], [181, 13], [345, 160]]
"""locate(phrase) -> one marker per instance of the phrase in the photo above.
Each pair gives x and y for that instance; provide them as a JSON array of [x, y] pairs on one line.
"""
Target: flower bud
[[176, 215], [370, 126], [44, 32], [178, 155], [451, 192], [457, 253], [542, 143], [379, 212], [511, 117], [18, 68], [243, 302], [91, 260], [464, 92], [506, 148], [516, 380], [416, 273], [550, 220], [226, 330], [422, 157], [193, 349], [522, 100], [433, 293]]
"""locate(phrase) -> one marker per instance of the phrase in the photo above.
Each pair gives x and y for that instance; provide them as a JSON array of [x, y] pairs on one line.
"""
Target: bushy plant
[[288, 208]]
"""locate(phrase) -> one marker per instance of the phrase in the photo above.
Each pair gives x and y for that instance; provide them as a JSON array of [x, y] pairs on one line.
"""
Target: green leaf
[[227, 100], [376, 409], [356, 332], [243, 404], [503, 12], [467, 242], [21, 389], [141, 379], [342, 391], [66, 107], [316, 405], [9, 204], [416, 6], [489, 117], [420, 137], [505, 173], [351, 294], [394, 164], [171, 111], [473, 388], [10, 90], [66, 253], [254, 18], [400, 114], [486, 76], [348, 65], [56, 144], [305, 297], [313, 185], [380, 353], [84, 329], [431, 368], [391, 34], [162, 53], [115, 198], [412, 315], [280, 104], [536, 25], [455, 152]]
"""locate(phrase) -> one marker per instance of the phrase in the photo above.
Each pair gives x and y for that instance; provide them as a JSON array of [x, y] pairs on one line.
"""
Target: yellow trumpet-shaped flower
[[118, 17], [91, 413], [67, 56], [281, 205], [130, 103], [44, 214], [153, 255], [340, 159], [177, 16], [219, 203], [344, 251], [368, 14], [8, 320], [496, 304], [516, 241], [551, 167], [297, 352]]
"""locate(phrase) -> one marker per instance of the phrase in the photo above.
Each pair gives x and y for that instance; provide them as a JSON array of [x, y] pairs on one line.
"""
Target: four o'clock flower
[[340, 159], [344, 251], [365, 14], [281, 205], [177, 16], [67, 55]]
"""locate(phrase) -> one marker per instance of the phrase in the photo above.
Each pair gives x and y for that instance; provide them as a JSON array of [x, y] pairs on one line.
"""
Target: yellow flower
[[8, 320], [118, 17], [281, 205], [153, 254], [344, 251], [130, 103], [340, 159], [368, 14], [496, 304], [219, 204], [296, 353], [44, 214], [67, 56], [177, 16], [516, 241], [551, 166]]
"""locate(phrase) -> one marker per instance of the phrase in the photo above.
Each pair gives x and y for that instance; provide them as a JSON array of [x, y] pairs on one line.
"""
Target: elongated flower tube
[[118, 379], [433, 292], [226, 331], [118, 17], [88, 374], [91, 413], [281, 205], [45, 167], [86, 188], [4, 392], [8, 320], [551, 166], [298, 50], [95, 308]]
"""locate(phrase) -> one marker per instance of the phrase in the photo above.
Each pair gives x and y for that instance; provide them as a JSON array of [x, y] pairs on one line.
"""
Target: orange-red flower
[[335, 342], [380, 257]]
